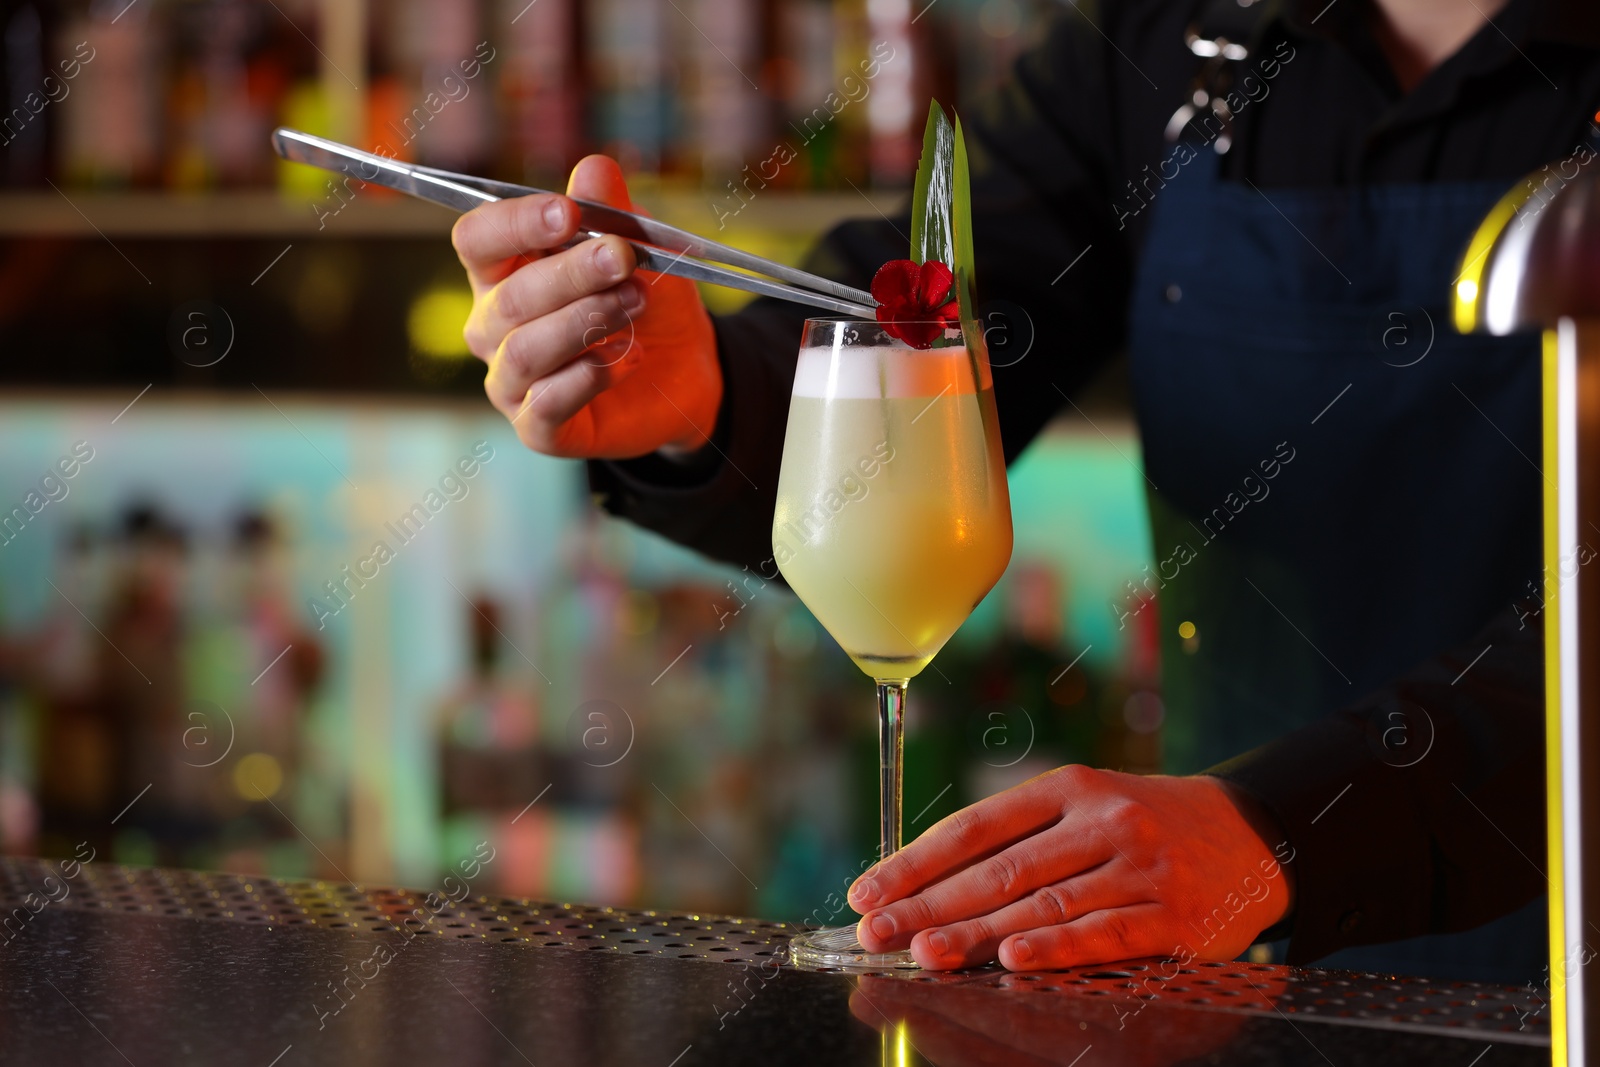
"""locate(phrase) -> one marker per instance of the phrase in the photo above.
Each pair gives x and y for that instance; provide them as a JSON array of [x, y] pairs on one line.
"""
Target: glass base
[[840, 949]]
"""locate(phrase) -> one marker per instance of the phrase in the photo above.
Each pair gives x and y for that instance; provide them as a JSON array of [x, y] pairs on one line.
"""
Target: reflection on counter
[[953, 1025], [355, 642]]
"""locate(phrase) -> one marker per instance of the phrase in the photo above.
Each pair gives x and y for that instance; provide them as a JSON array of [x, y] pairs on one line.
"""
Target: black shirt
[[1058, 156]]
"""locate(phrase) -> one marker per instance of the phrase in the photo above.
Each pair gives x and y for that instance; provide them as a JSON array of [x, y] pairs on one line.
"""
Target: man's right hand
[[587, 357]]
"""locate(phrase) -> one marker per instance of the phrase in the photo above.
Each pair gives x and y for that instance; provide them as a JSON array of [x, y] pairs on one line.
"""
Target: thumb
[[599, 178]]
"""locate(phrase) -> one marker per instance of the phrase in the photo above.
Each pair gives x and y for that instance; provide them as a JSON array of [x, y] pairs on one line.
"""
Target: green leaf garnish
[[961, 224], [941, 208], [932, 236]]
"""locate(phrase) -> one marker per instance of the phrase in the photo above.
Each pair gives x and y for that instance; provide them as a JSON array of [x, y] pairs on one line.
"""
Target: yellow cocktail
[[893, 521]]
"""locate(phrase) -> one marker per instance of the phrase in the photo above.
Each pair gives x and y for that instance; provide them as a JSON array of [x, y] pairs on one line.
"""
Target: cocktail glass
[[893, 521]]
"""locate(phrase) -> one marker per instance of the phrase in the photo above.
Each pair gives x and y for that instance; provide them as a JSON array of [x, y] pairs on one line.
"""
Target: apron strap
[[1221, 33]]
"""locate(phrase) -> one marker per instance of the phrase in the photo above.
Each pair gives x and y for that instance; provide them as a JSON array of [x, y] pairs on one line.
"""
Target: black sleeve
[[1041, 151], [1420, 810]]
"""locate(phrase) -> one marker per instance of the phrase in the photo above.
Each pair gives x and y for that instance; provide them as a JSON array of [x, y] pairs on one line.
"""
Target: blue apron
[[1336, 487]]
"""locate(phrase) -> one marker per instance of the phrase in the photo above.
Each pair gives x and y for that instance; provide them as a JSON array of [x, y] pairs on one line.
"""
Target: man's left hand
[[1081, 866]]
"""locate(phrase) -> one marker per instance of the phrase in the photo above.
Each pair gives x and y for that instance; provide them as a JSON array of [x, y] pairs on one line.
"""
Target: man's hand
[[1077, 867], [586, 357]]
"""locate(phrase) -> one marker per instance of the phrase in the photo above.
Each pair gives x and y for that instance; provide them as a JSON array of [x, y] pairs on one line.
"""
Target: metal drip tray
[[359, 909], [1337, 997], [1399, 1001]]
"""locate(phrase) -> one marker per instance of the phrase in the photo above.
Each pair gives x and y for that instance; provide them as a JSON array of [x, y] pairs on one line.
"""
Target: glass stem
[[891, 755]]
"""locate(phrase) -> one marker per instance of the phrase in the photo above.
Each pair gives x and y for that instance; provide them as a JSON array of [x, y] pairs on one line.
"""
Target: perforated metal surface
[[1331, 996], [1393, 1002], [358, 909]]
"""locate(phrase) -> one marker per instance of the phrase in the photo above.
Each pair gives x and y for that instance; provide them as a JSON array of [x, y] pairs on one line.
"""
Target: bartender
[[1264, 207]]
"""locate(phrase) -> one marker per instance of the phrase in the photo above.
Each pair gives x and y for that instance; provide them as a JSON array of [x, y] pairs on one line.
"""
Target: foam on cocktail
[[892, 515], [889, 371]]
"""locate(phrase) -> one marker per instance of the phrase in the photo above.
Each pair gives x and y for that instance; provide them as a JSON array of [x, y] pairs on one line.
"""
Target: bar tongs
[[658, 247]]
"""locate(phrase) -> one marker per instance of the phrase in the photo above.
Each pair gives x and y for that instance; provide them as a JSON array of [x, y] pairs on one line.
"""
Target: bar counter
[[116, 965]]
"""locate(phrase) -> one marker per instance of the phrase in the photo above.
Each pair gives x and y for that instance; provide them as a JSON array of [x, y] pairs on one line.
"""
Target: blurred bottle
[[490, 763], [1134, 712], [541, 82], [306, 107], [76, 778], [895, 112], [293, 70], [489, 728], [440, 53], [803, 67], [25, 125], [631, 112], [279, 652], [391, 94], [142, 692], [239, 107], [188, 164], [111, 134], [728, 112]]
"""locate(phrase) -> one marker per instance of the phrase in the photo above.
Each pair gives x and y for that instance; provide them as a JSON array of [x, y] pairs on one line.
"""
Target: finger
[[958, 840], [546, 286], [988, 885], [545, 345], [977, 941], [492, 240], [600, 178], [1100, 937], [553, 402]]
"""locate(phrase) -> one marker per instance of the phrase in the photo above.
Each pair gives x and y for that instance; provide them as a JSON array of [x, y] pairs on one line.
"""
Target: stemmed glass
[[893, 521]]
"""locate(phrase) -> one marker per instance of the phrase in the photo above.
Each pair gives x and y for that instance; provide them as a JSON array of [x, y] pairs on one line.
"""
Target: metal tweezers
[[658, 247]]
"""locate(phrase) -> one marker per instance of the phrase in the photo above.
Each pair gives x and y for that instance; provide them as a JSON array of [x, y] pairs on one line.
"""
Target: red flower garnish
[[916, 301]]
